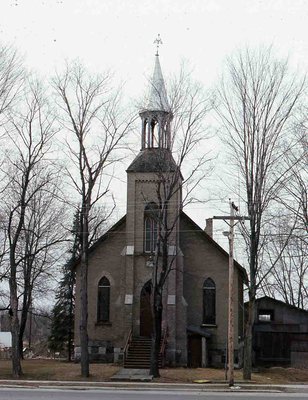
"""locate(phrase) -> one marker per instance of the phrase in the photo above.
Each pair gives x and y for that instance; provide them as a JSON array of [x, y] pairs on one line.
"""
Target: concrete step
[[139, 353]]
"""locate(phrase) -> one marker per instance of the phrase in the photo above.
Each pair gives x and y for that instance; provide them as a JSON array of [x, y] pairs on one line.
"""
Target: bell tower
[[154, 160], [154, 164], [156, 117]]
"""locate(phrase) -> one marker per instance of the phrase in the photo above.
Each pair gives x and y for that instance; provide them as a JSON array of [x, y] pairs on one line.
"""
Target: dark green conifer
[[62, 326]]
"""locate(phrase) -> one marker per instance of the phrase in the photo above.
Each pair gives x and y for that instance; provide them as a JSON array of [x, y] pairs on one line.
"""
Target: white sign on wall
[[5, 339]]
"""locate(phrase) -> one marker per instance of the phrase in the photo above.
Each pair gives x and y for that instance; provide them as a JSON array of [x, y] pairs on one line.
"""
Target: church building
[[120, 270]]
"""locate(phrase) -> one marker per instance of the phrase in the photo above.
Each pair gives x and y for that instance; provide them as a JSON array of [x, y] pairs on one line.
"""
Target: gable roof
[[196, 228], [206, 236], [280, 302], [104, 237], [107, 234]]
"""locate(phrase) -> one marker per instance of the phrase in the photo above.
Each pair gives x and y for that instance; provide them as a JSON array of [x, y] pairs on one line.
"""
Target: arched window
[[103, 300], [144, 133], [154, 133], [209, 301], [150, 227]]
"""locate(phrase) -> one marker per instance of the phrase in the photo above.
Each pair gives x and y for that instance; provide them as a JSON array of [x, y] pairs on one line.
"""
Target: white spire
[[157, 100]]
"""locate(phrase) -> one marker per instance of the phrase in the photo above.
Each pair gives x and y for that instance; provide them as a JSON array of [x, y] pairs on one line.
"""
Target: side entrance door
[[194, 348]]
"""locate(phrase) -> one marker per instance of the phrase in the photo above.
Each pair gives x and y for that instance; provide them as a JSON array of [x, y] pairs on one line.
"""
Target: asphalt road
[[65, 394]]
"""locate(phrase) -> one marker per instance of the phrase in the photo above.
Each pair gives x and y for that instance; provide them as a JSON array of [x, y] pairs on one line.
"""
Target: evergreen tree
[[62, 326]]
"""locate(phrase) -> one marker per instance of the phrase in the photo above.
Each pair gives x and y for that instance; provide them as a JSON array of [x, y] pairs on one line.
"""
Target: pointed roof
[[157, 100], [153, 160]]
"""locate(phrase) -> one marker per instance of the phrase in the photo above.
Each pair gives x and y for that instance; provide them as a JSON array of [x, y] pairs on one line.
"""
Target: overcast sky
[[119, 34]]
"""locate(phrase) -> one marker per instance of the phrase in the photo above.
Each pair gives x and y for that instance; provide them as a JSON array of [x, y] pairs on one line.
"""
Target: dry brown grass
[[267, 375], [38, 369], [63, 371]]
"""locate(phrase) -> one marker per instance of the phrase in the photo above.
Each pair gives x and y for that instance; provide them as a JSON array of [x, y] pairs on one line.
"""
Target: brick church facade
[[120, 265]]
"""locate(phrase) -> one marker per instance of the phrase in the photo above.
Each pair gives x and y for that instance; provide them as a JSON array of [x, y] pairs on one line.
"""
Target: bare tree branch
[[259, 100], [92, 112]]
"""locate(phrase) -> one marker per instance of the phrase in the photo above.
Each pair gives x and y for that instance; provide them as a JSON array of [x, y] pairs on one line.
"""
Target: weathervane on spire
[[158, 42]]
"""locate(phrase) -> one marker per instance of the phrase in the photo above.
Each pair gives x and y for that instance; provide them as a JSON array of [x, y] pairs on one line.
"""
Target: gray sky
[[119, 34]]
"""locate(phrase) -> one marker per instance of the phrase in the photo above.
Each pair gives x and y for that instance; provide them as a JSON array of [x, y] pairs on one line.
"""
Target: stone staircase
[[139, 353]]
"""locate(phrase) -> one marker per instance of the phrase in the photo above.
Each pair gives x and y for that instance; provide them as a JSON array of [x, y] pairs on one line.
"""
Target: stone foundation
[[101, 351]]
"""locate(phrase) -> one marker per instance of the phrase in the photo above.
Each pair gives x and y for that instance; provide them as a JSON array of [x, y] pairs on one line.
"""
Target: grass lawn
[[39, 369]]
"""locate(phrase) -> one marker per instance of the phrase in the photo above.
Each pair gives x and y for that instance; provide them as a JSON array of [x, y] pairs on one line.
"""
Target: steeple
[[157, 100], [156, 116]]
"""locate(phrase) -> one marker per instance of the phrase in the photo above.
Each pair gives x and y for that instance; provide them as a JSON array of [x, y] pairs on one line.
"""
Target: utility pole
[[230, 235], [231, 300]]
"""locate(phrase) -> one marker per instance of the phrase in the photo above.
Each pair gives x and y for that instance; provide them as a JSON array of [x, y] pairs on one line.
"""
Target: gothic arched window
[[209, 301], [103, 300], [150, 227]]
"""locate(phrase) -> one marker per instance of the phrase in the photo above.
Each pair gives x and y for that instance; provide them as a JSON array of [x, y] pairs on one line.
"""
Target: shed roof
[[280, 302]]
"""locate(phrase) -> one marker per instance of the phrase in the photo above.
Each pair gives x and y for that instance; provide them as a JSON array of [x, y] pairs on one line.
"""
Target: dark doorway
[[194, 348], [146, 320]]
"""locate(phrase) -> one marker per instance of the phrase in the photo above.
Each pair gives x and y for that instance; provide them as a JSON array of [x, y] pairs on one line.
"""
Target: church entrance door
[[194, 348], [146, 320]]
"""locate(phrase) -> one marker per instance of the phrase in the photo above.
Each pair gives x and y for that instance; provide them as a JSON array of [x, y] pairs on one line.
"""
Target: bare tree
[[12, 75], [40, 248], [29, 191], [92, 113], [295, 190], [11, 79], [289, 277], [258, 101], [184, 126]]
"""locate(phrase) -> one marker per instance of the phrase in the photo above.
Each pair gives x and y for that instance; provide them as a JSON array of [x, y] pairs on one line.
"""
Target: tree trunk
[[254, 235], [247, 367], [70, 331], [156, 336], [22, 325], [20, 344], [16, 364], [84, 359], [84, 321]]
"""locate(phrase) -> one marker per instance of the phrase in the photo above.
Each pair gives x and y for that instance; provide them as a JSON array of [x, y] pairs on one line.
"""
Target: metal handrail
[[128, 342]]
